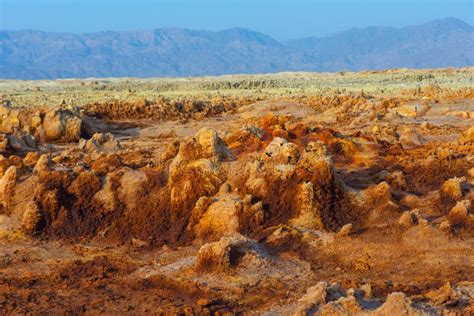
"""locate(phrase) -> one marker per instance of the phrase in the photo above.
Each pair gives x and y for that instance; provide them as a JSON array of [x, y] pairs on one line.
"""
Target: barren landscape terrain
[[285, 194]]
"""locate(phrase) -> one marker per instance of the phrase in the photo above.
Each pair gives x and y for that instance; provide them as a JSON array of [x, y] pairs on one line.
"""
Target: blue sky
[[282, 19]]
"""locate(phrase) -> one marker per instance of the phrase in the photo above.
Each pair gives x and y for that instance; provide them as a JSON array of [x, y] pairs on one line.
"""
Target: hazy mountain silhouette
[[179, 52], [440, 43]]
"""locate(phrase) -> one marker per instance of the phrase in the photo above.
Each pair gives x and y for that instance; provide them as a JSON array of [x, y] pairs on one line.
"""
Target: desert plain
[[282, 194]]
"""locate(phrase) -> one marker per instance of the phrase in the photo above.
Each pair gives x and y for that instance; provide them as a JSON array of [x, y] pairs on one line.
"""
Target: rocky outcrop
[[45, 124], [19, 142], [325, 299], [397, 304], [229, 253], [468, 136], [198, 161], [281, 152], [451, 192], [32, 218], [100, 143], [222, 217], [225, 213], [106, 197], [61, 125], [411, 218], [459, 214], [299, 187], [314, 297], [7, 187], [131, 185], [410, 136]]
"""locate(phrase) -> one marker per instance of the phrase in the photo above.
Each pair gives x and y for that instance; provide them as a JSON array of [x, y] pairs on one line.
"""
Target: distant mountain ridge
[[180, 52], [440, 43]]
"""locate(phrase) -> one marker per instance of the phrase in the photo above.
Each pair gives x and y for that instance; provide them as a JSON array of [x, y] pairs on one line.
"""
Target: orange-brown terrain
[[331, 203]]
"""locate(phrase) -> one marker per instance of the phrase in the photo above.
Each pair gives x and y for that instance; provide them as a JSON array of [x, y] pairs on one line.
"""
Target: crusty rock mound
[[18, 142], [45, 124], [101, 143], [164, 109], [228, 253], [325, 299]]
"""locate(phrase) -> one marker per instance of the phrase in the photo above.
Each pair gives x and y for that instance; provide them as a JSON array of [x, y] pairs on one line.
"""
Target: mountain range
[[31, 54]]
